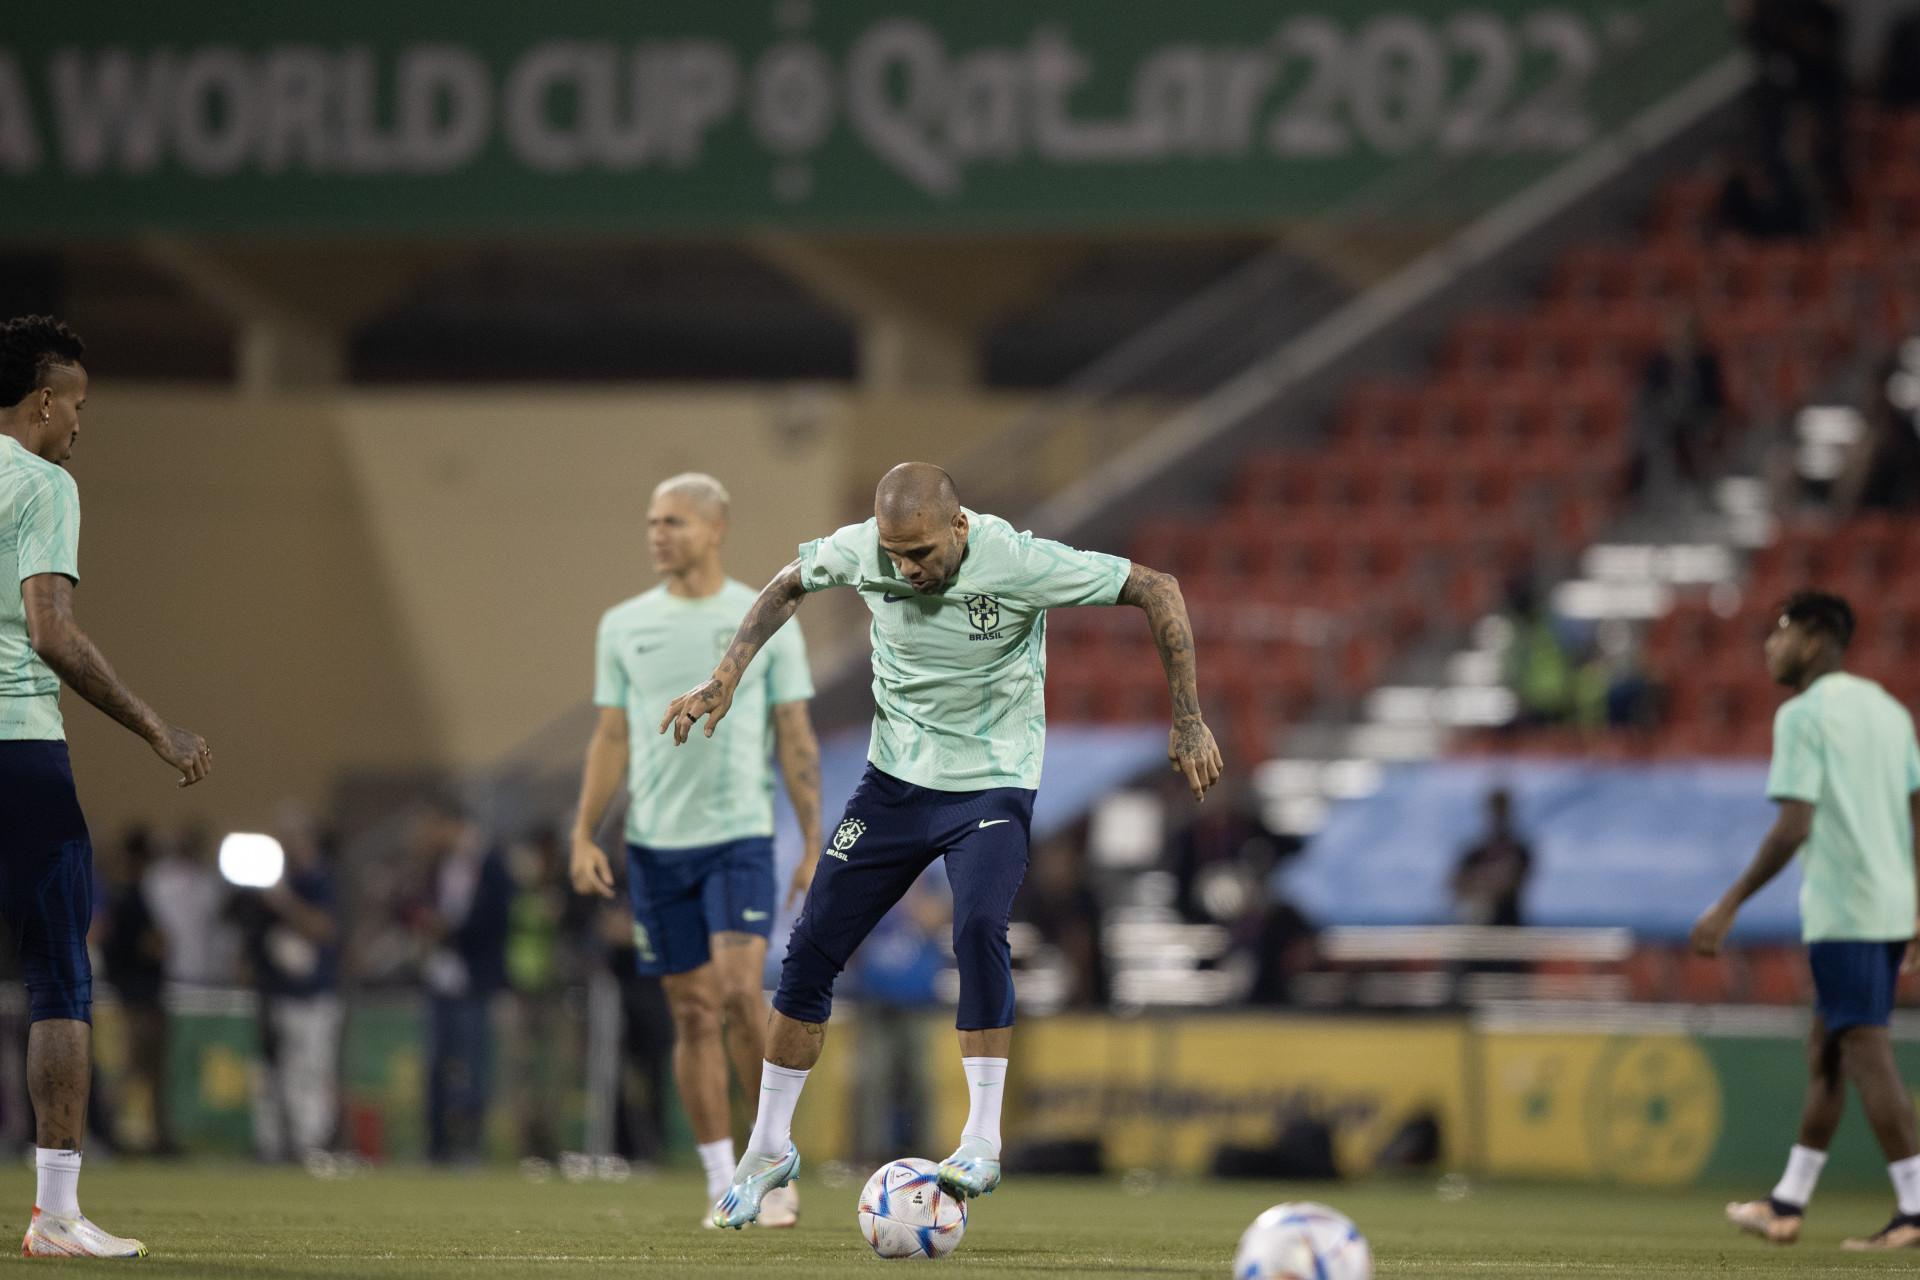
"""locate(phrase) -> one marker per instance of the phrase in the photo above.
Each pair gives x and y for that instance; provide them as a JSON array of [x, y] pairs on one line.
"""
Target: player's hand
[[185, 751], [589, 870], [1192, 751], [802, 878], [712, 700], [1910, 961], [1711, 929]]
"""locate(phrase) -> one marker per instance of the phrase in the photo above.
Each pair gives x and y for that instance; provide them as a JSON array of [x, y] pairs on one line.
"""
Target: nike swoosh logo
[[996, 822], [753, 915], [767, 1088], [983, 1084], [891, 598], [644, 648]]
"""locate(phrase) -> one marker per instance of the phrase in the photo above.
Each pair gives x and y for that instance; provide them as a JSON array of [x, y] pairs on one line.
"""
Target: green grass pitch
[[221, 1220]]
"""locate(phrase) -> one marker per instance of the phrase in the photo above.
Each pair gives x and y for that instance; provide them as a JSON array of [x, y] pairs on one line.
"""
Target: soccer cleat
[[780, 1207], [1902, 1233], [752, 1179], [1761, 1218], [973, 1170], [51, 1235]]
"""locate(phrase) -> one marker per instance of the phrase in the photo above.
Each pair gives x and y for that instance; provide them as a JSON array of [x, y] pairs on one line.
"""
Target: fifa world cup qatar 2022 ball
[[1303, 1241], [905, 1214]]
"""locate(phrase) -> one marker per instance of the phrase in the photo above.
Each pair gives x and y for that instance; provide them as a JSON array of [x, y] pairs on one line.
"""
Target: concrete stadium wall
[[408, 581]]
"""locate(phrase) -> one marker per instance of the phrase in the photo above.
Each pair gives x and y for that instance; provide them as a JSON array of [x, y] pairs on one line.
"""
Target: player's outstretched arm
[[768, 613], [1789, 831], [799, 753], [1190, 744], [606, 762], [62, 645]]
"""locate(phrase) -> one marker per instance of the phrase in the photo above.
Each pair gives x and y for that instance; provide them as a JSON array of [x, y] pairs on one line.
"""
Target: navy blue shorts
[[681, 897], [46, 878], [891, 831], [1853, 982]]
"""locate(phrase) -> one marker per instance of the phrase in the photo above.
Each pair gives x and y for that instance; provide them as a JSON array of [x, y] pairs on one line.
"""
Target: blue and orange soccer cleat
[[752, 1179], [973, 1170]]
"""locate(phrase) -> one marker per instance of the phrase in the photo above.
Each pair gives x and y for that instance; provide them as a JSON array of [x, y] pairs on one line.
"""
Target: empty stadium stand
[[1427, 497]]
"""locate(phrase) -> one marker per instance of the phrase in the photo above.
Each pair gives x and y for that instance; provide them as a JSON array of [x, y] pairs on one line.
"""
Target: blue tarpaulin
[[1645, 846]]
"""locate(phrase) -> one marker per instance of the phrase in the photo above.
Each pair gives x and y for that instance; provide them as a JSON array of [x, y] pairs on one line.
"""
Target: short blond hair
[[702, 488]]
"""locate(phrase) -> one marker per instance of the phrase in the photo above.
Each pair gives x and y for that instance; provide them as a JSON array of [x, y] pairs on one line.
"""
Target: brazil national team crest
[[984, 613], [850, 830]]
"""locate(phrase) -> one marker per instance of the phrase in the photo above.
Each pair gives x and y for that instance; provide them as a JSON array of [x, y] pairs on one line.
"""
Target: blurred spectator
[[1058, 900], [460, 920], [542, 1048], [1761, 198], [1611, 688], [646, 1036], [186, 895], [1682, 398], [1898, 83], [1540, 670], [1883, 469], [894, 973], [1799, 48], [1281, 937], [133, 952], [292, 938], [1491, 875]]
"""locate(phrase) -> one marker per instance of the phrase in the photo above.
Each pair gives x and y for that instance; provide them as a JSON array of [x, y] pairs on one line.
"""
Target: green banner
[[679, 115]]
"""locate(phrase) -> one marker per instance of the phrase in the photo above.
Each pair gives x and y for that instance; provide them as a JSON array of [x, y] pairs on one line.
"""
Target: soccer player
[[46, 859], [700, 822], [959, 605], [1846, 775]]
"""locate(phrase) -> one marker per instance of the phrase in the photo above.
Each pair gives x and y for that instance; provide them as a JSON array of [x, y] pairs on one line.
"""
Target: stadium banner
[[587, 115], [1659, 1109], [1166, 1093]]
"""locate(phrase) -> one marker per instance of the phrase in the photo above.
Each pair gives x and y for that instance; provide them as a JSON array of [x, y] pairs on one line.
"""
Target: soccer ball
[[905, 1214], [1302, 1241]]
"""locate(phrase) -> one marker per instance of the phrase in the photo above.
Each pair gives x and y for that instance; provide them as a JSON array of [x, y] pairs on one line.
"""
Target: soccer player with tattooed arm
[[959, 603], [46, 856]]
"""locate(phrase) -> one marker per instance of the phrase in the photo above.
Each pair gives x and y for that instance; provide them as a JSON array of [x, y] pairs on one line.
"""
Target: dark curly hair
[[29, 347], [1822, 612]]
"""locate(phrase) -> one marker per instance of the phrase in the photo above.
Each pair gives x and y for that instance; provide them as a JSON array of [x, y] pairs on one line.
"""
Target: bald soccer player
[[700, 821], [959, 603]]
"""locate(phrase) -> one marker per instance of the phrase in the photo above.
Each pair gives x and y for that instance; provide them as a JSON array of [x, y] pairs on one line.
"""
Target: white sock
[[773, 1123], [59, 1190], [986, 1089], [1803, 1170], [717, 1159], [1906, 1183]]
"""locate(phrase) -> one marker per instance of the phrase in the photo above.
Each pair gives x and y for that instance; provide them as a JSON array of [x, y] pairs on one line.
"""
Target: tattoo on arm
[[1159, 595], [768, 613], [76, 660]]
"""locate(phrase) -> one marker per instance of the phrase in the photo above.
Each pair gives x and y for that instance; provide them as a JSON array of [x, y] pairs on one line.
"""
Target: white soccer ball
[[905, 1214], [1303, 1241]]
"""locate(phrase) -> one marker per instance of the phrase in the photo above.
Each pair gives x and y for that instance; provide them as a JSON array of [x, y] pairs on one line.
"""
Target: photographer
[[292, 932]]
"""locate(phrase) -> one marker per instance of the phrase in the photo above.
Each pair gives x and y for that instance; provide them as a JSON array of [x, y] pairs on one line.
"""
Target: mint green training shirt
[[1847, 747], [39, 533], [959, 677], [651, 650]]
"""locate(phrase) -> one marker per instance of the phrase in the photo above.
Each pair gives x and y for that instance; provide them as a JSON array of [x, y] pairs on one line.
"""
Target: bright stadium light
[[251, 860]]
